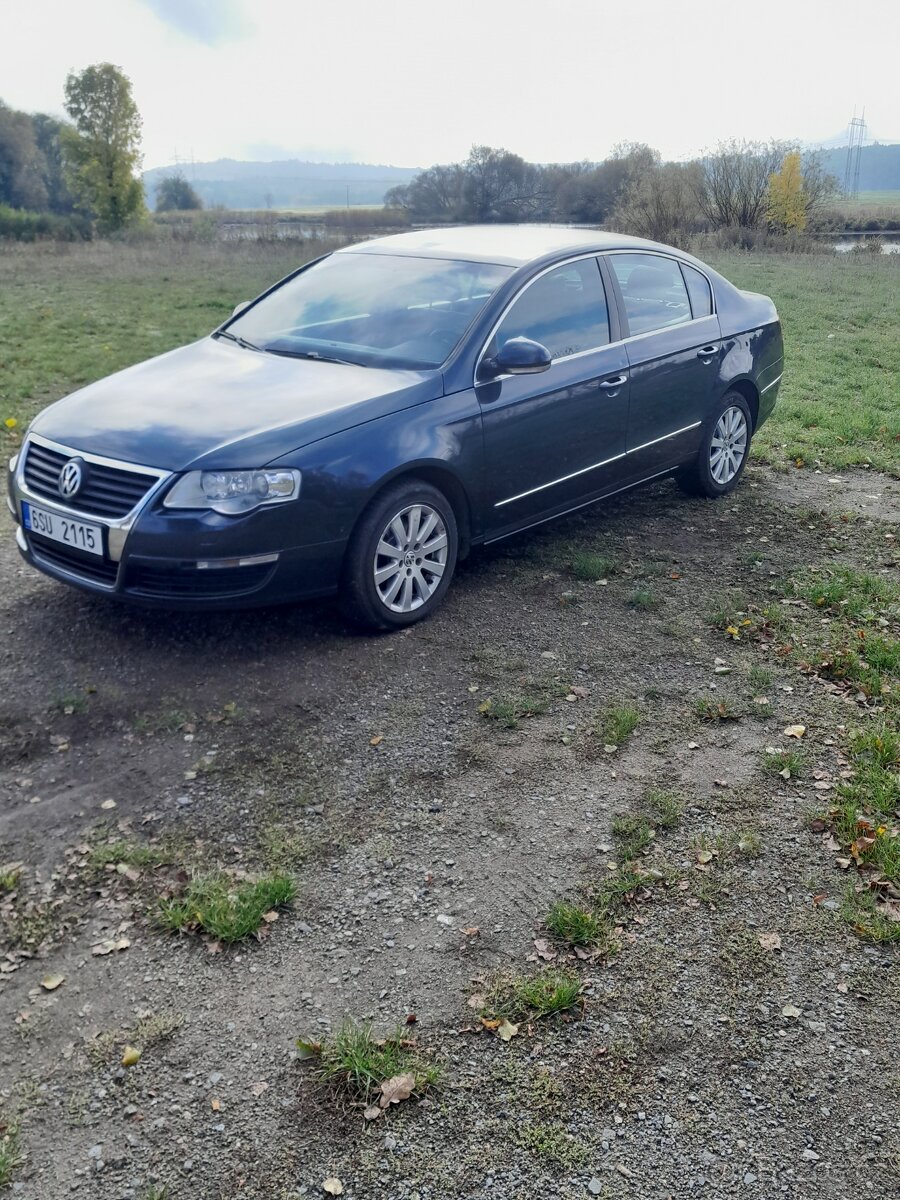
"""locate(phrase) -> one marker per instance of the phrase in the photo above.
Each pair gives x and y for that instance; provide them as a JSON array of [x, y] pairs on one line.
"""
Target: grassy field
[[71, 314]]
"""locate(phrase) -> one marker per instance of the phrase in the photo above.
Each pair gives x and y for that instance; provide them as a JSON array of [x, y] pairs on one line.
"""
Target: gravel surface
[[702, 1063]]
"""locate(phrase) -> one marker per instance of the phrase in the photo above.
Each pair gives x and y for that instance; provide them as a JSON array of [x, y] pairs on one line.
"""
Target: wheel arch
[[446, 481], [748, 389]]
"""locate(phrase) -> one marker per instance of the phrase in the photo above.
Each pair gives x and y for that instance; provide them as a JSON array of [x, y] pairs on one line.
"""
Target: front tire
[[401, 557], [723, 453]]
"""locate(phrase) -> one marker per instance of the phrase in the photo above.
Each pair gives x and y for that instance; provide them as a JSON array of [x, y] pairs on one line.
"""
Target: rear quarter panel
[[752, 343]]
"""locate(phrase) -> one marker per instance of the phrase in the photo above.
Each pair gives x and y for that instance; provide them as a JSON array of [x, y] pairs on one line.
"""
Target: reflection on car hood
[[214, 404]]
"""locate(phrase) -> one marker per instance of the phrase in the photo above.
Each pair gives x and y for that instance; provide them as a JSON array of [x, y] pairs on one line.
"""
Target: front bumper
[[162, 558]]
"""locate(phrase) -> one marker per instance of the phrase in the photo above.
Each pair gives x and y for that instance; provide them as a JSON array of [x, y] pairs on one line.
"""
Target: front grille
[[175, 580], [105, 491], [88, 566]]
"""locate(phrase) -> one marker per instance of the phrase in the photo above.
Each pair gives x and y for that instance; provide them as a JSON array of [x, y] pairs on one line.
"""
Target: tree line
[[738, 184], [84, 170]]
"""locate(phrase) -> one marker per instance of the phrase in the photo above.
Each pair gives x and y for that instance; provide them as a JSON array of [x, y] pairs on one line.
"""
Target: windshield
[[372, 309]]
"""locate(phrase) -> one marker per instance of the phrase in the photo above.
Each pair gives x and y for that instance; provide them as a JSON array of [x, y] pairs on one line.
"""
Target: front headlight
[[233, 492]]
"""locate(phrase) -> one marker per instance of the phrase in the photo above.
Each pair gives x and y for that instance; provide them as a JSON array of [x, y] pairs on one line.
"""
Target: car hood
[[215, 405]]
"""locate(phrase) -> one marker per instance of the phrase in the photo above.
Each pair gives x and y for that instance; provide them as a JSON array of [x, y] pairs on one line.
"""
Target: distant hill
[[879, 166], [283, 184]]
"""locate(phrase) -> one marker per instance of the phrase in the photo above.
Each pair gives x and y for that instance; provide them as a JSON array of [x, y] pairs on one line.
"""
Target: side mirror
[[519, 356], [239, 308]]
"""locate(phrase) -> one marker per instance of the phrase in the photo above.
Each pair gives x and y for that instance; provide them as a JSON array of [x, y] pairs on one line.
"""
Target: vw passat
[[362, 424]]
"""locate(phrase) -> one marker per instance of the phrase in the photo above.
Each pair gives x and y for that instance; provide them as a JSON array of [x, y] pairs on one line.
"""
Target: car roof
[[507, 245]]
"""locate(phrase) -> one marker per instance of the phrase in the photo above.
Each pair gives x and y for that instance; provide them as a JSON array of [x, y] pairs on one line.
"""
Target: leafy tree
[[103, 149], [173, 192], [21, 162], [786, 202], [47, 132]]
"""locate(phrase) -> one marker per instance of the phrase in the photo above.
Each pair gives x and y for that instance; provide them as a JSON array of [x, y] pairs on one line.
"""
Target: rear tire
[[400, 558], [723, 453]]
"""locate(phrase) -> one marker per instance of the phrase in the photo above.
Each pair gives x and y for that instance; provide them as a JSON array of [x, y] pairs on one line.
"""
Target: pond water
[[890, 244]]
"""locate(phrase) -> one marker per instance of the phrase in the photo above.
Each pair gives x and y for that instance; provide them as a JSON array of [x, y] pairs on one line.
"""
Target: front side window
[[698, 290], [565, 310], [653, 290], [381, 310]]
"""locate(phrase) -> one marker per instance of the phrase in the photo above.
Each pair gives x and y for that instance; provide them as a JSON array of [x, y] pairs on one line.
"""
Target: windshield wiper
[[242, 342], [313, 354]]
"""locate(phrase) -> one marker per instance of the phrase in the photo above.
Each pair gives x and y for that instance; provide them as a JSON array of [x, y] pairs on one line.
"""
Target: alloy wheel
[[410, 558], [728, 447]]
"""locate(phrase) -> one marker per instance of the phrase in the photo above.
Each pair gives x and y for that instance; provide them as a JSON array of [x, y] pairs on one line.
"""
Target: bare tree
[[819, 185], [734, 181], [662, 204]]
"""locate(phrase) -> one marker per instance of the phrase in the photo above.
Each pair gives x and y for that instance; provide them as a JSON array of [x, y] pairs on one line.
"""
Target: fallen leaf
[[215, 1104], [108, 945], [376, 740], [258, 1088], [270, 916], [704, 856], [791, 1010], [490, 1023], [109, 804], [131, 1056], [477, 1001], [770, 941], [544, 950], [795, 731], [372, 1113], [333, 1187], [507, 1030], [51, 982], [397, 1088], [471, 930]]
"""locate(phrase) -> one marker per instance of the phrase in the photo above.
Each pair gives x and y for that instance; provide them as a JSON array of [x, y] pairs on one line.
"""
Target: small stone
[[595, 1187], [810, 1156], [749, 1177]]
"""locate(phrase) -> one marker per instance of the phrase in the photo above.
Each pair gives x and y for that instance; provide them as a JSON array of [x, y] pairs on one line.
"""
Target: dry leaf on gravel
[[333, 1187], [131, 1056], [477, 1001], [506, 1030], [704, 856], [795, 731], [770, 941], [51, 982], [108, 945], [377, 740], [258, 1088], [544, 950], [397, 1088], [372, 1113], [791, 1010]]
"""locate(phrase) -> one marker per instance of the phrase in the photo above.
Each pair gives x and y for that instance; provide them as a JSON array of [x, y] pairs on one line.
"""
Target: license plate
[[77, 534]]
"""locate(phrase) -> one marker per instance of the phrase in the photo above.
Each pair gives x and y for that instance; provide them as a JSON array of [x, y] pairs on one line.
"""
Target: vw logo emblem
[[70, 479]]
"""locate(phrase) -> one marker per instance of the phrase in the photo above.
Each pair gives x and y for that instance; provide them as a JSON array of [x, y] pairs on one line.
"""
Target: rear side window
[[565, 310], [653, 290], [698, 290]]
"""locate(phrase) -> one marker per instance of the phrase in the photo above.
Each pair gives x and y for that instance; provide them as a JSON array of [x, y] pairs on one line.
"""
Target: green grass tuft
[[355, 1063], [590, 566], [228, 911], [578, 926], [618, 724]]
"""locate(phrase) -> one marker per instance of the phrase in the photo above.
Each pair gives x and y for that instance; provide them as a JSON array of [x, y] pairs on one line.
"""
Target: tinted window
[[653, 290], [698, 290], [565, 310], [372, 309]]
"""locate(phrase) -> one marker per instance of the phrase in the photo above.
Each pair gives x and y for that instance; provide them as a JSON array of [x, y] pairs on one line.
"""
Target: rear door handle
[[707, 351], [616, 382]]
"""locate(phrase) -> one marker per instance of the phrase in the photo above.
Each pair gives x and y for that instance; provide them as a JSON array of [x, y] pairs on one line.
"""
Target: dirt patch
[[858, 493], [408, 818]]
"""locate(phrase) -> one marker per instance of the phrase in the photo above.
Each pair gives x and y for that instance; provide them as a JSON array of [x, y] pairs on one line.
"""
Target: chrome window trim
[[118, 528], [772, 384], [597, 254], [605, 462]]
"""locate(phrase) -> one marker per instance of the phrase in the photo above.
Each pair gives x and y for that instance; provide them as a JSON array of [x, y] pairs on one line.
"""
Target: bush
[[20, 225]]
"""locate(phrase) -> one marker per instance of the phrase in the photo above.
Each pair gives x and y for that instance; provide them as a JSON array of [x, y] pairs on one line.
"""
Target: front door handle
[[707, 351], [616, 382]]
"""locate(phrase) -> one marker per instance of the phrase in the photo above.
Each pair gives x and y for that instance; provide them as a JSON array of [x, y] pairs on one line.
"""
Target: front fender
[[342, 473]]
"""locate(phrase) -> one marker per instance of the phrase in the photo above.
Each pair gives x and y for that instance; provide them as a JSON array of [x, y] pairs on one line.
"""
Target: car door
[[673, 346], [555, 438]]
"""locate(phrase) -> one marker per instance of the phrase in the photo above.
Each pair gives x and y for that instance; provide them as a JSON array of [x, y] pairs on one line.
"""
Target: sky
[[413, 82]]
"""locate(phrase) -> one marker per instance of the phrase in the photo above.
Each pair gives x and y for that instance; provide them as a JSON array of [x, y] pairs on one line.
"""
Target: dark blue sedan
[[362, 424]]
